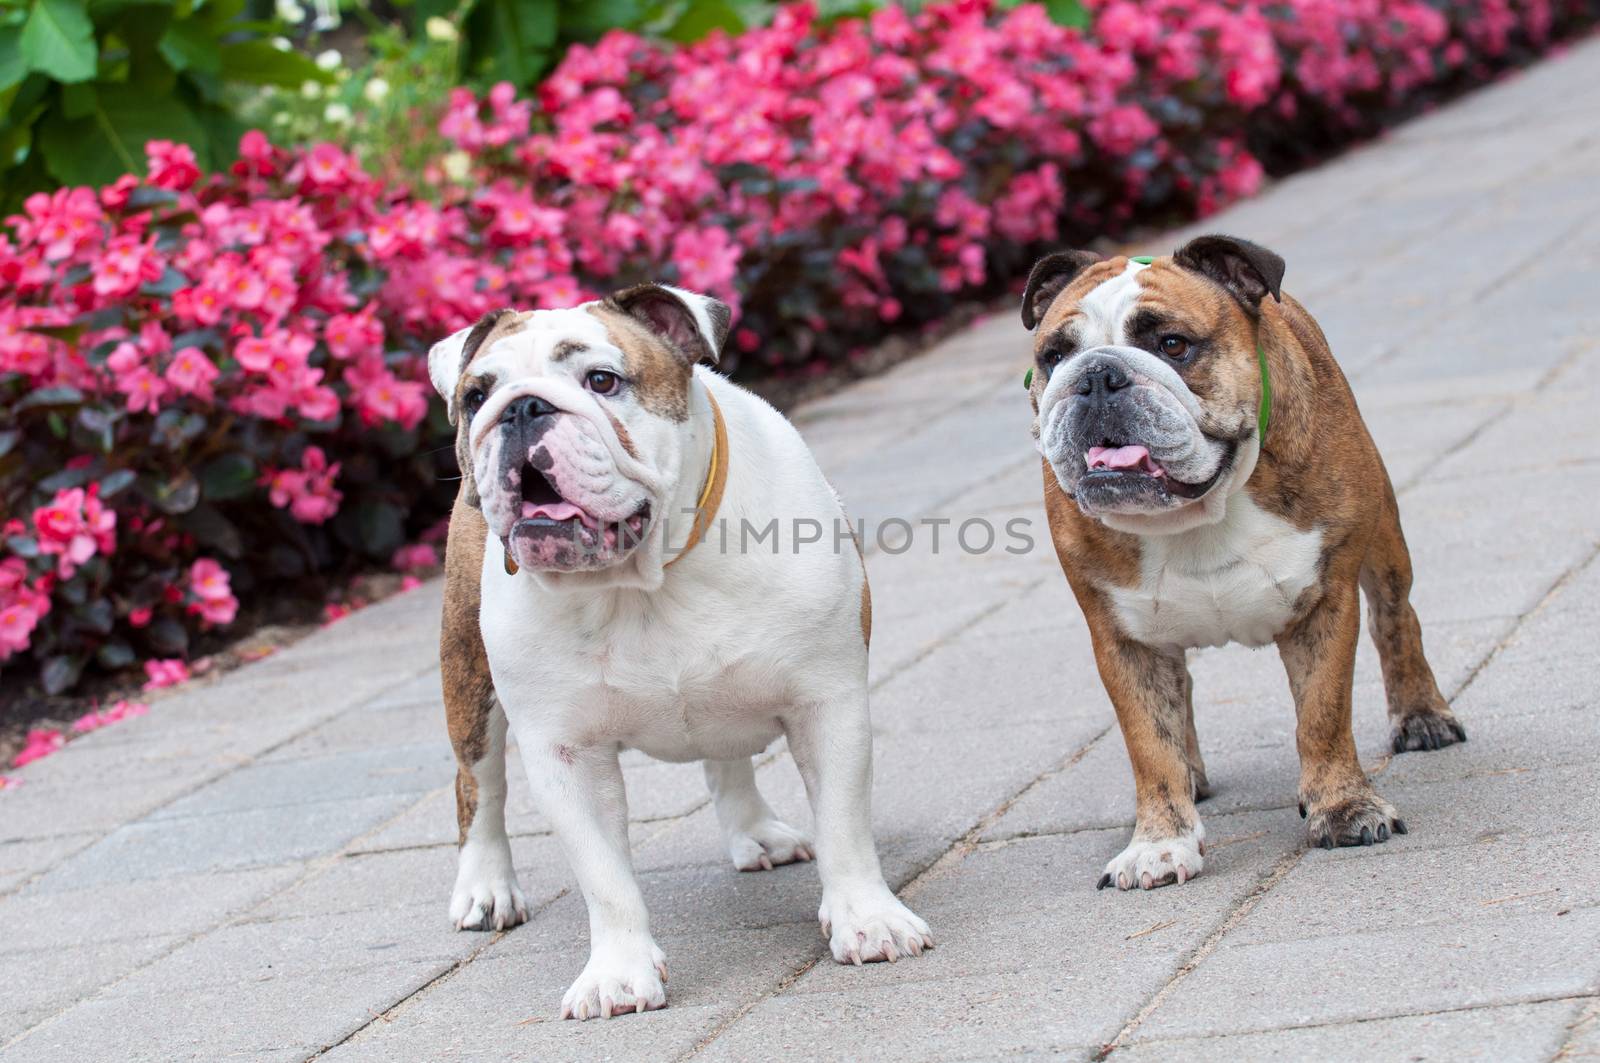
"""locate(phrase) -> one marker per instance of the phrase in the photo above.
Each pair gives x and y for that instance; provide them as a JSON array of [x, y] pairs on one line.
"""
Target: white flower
[[376, 90], [281, 43], [291, 11], [457, 165], [336, 114], [329, 60], [440, 29], [310, 89]]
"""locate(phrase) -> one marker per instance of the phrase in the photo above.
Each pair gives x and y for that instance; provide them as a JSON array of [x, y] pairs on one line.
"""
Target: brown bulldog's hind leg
[[1419, 717], [1319, 653]]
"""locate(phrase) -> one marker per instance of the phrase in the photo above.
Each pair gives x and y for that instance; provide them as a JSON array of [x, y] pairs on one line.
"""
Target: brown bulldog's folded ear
[[696, 325], [1249, 271], [1051, 274]]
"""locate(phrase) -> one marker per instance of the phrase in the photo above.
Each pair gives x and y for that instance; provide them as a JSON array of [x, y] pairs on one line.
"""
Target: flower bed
[[216, 386]]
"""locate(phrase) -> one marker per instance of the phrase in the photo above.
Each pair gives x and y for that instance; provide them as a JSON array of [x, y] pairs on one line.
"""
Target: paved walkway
[[260, 867]]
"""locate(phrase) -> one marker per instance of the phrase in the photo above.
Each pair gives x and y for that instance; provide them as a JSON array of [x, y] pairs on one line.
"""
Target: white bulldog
[[590, 604]]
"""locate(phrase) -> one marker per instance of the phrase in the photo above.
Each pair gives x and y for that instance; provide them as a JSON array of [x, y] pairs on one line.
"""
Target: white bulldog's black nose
[[526, 411], [1101, 380]]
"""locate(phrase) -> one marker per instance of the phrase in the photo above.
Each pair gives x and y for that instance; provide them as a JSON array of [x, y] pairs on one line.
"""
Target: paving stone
[[112, 912], [1520, 1033], [1356, 975], [222, 842]]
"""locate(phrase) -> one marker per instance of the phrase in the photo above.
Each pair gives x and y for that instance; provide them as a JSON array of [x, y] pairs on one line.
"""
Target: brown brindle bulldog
[[1208, 479]]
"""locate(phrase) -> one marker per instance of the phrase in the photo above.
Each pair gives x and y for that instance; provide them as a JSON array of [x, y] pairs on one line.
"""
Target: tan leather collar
[[705, 509]]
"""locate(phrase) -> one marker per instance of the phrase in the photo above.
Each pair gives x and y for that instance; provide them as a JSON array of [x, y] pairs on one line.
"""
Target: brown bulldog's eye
[[1049, 359], [1175, 347], [473, 401], [602, 381]]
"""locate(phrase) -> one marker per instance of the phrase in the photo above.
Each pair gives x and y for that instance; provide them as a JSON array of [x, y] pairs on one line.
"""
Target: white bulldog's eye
[[1051, 358], [1174, 347], [473, 401], [602, 381]]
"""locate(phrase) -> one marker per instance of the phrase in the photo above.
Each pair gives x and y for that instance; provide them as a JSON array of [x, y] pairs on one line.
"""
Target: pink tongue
[[554, 511], [1129, 457]]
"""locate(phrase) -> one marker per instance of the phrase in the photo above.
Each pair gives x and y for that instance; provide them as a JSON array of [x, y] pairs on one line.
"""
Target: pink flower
[[307, 492], [119, 711], [706, 259], [165, 673], [409, 583], [171, 165], [40, 743], [74, 526], [192, 373], [8, 783], [211, 588], [414, 557]]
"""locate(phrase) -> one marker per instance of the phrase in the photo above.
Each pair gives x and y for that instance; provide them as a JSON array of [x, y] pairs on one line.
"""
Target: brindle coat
[[1319, 468]]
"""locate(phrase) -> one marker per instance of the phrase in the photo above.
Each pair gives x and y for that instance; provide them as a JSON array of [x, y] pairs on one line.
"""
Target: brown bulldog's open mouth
[[1129, 470]]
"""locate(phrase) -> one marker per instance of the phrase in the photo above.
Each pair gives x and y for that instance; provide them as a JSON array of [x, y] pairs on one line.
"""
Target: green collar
[[1263, 412]]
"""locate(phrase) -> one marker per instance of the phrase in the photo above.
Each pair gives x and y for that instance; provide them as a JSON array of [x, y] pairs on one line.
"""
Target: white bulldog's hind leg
[[755, 837], [486, 894], [861, 917]]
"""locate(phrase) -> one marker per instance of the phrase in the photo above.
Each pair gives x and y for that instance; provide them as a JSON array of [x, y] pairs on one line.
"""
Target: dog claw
[[1400, 827], [1302, 810], [1366, 835], [1383, 833], [1105, 880]]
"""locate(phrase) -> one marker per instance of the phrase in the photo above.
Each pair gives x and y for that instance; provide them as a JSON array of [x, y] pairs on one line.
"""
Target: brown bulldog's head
[[1146, 382], [572, 424]]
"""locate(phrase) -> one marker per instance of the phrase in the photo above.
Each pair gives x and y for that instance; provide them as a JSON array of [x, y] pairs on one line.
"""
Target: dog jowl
[[1208, 479]]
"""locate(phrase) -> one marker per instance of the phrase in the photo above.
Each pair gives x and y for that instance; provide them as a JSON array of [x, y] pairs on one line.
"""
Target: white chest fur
[[1233, 581]]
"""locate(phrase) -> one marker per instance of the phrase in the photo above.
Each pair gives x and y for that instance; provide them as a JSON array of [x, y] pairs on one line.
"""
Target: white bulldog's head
[[572, 424], [1146, 381]]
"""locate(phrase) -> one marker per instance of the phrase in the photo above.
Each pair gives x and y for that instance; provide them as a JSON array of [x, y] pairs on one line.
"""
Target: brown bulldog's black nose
[[1102, 380], [526, 411]]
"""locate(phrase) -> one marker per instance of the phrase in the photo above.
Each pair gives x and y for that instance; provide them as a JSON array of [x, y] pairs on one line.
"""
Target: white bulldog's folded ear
[[695, 324], [448, 358]]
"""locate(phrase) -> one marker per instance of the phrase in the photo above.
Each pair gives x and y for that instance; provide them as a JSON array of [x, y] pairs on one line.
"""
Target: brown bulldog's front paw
[[1360, 820], [1428, 729]]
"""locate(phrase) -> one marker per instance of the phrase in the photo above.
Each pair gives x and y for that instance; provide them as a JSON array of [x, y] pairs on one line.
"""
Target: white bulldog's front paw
[[766, 844], [1159, 862], [487, 896], [616, 980], [871, 925]]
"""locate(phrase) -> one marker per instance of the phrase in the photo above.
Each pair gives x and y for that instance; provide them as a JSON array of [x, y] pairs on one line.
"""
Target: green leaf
[[586, 19], [168, 637], [58, 39], [61, 396], [13, 64], [230, 476], [115, 655], [110, 142], [259, 63], [190, 44], [61, 673], [114, 483], [1068, 13], [701, 18]]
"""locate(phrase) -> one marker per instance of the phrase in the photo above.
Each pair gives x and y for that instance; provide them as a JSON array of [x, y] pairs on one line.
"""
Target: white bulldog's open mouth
[[553, 531]]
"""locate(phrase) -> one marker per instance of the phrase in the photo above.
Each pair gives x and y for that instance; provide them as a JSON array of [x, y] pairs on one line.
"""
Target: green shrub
[[85, 83]]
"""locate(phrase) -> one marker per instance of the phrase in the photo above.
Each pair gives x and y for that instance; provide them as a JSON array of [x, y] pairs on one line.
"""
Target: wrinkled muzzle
[[555, 482], [1122, 432]]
